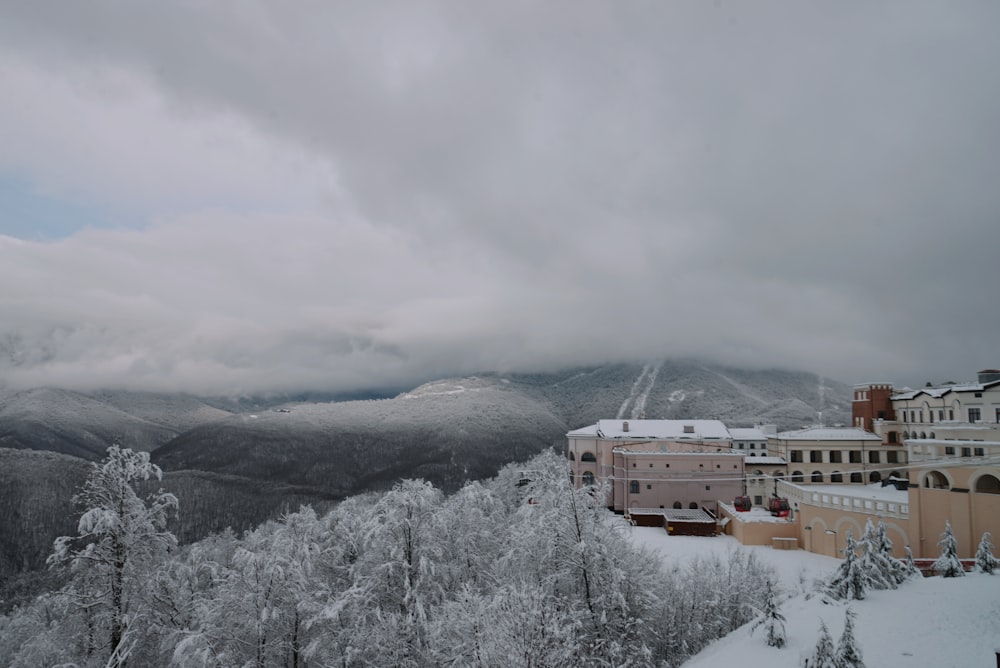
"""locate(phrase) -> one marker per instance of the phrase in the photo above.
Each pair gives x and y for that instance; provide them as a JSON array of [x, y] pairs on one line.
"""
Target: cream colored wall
[[684, 481], [970, 513], [819, 520]]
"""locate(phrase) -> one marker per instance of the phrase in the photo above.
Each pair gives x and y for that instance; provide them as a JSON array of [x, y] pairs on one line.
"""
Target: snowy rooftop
[[676, 515], [937, 392], [755, 514], [663, 429], [828, 434], [747, 434]]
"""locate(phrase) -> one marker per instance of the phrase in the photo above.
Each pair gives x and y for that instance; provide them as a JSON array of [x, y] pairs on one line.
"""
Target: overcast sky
[[249, 196]]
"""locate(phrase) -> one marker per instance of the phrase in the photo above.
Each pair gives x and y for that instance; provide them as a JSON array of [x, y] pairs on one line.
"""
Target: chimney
[[625, 427]]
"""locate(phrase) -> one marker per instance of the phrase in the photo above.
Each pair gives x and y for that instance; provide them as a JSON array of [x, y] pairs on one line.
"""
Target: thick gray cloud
[[335, 194]]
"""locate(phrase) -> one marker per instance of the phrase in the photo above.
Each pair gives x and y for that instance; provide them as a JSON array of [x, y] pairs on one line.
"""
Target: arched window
[[857, 477], [693, 506], [817, 476], [875, 477], [923, 435], [798, 476], [759, 474], [906, 435], [588, 478], [836, 477], [677, 505], [588, 457], [633, 487], [932, 435], [988, 484], [936, 480], [572, 457]]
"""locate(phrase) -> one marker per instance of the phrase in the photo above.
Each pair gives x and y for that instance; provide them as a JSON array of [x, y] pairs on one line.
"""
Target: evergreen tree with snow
[[910, 566], [848, 652], [876, 568], [948, 564], [985, 561], [771, 619], [851, 580], [895, 569], [823, 656]]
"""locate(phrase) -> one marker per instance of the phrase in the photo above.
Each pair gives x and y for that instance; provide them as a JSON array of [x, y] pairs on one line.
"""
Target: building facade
[[837, 455], [669, 464]]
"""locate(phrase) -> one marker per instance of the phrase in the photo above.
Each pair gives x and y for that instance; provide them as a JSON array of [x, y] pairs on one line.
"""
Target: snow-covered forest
[[518, 570]]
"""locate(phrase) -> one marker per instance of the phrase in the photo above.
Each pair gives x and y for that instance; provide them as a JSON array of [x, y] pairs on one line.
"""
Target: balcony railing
[[859, 503]]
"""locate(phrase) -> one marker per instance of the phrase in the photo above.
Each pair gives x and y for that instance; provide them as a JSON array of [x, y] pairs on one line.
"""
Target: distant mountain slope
[[448, 432], [677, 389], [83, 425], [453, 430]]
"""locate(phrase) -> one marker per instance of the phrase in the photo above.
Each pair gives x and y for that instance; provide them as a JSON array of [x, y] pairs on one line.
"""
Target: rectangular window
[[949, 450], [758, 500], [816, 456], [940, 415], [873, 457], [951, 413], [966, 452], [980, 452], [920, 416], [892, 457], [797, 456], [998, 416], [855, 456], [975, 415], [835, 457], [892, 437], [633, 487]]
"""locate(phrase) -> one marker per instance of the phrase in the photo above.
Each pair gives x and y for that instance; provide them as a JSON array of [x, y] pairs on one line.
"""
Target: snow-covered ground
[[927, 622]]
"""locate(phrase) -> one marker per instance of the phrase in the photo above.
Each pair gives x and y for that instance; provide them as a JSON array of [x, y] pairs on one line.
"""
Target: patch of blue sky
[[32, 215]]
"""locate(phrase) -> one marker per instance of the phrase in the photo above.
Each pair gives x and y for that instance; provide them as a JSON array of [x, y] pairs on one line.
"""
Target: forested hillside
[[37, 488], [411, 577]]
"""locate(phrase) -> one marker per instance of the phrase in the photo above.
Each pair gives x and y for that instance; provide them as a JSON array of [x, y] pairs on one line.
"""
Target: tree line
[[520, 570]]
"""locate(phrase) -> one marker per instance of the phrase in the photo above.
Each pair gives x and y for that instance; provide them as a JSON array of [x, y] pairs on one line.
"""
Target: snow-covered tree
[[848, 652], [893, 570], [771, 619], [852, 580], [120, 540], [823, 655], [910, 569], [985, 561], [948, 564]]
